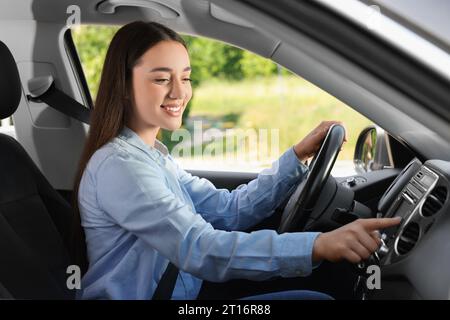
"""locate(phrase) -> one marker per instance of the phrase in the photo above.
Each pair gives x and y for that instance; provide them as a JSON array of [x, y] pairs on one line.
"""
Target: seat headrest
[[10, 87]]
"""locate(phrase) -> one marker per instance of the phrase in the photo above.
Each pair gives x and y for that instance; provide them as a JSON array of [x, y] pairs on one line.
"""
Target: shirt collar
[[133, 138]]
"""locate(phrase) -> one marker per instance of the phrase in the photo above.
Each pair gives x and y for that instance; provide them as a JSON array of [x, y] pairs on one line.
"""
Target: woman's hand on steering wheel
[[310, 144]]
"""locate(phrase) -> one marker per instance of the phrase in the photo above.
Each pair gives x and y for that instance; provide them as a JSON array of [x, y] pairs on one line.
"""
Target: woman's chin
[[172, 126]]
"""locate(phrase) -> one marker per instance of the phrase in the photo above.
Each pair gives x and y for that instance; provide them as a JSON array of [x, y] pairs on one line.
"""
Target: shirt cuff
[[300, 162], [291, 165], [297, 253]]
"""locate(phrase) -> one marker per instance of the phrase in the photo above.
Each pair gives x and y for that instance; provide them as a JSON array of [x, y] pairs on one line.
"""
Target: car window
[[245, 111]]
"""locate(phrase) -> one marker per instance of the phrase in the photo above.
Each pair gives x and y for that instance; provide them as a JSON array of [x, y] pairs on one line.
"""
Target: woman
[[140, 210]]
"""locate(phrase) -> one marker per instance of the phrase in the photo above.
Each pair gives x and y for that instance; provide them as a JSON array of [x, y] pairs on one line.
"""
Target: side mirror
[[372, 151]]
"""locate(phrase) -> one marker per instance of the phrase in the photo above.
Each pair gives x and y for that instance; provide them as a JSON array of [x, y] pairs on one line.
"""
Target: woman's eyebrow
[[165, 69]]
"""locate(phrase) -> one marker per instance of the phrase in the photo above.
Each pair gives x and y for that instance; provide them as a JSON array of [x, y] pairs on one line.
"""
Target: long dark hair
[[113, 104]]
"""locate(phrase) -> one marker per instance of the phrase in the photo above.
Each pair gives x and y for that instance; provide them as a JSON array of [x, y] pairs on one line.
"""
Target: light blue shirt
[[139, 210]]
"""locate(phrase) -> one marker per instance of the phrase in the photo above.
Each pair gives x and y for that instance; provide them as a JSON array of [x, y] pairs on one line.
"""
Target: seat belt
[[166, 285], [43, 89]]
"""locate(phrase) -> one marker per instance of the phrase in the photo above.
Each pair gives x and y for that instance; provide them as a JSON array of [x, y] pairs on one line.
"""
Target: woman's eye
[[187, 79], [162, 80]]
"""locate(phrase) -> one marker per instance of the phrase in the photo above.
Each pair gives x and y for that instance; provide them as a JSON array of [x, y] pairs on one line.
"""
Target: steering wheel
[[301, 203]]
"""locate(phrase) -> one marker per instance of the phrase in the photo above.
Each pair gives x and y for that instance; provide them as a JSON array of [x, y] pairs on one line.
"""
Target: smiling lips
[[172, 109]]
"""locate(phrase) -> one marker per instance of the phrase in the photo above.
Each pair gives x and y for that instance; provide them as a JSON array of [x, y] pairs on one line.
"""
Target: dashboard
[[420, 196], [415, 256]]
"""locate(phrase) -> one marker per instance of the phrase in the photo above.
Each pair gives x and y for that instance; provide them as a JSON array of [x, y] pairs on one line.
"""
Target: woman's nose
[[177, 90]]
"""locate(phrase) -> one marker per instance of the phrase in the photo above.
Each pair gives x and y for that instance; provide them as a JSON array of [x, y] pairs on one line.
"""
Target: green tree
[[256, 66], [92, 43]]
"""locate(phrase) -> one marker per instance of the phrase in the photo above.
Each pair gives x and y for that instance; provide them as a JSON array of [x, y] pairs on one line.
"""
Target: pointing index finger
[[380, 223]]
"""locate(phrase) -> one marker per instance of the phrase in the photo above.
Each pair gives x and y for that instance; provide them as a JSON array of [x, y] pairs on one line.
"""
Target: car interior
[[44, 90]]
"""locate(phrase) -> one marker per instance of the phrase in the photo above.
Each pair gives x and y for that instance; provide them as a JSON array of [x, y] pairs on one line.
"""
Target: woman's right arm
[[136, 197]]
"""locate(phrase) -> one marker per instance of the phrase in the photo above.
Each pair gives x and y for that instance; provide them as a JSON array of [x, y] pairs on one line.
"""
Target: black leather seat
[[34, 219]]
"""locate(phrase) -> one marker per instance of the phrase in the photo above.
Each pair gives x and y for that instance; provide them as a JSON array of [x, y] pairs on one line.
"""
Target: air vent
[[434, 202], [440, 193], [408, 238]]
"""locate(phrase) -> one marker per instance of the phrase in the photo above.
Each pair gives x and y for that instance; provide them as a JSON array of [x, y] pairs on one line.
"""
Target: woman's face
[[161, 87]]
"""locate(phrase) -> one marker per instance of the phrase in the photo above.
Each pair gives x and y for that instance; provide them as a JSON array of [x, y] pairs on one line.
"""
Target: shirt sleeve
[[250, 203], [136, 197]]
